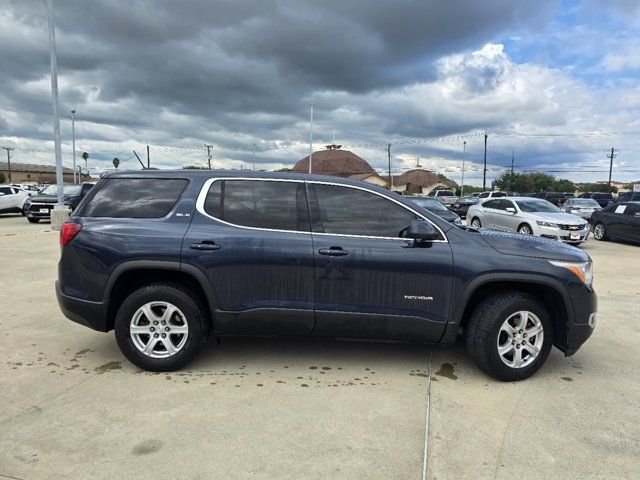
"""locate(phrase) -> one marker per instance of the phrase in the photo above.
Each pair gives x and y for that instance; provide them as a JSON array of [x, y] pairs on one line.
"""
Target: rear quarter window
[[133, 197]]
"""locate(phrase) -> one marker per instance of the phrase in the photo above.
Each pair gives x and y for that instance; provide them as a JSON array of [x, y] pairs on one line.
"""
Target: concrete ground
[[72, 407]]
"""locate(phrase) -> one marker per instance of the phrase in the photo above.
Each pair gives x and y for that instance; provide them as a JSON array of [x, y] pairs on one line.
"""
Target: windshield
[[531, 206], [429, 203], [66, 189], [584, 202]]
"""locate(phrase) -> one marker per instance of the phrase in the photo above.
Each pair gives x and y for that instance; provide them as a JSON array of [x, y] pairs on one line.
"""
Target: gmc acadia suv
[[165, 258]]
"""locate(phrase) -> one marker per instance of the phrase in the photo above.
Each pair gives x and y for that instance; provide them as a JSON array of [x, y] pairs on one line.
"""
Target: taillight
[[68, 232]]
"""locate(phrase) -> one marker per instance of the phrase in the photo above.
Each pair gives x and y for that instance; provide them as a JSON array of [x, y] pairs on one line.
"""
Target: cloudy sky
[[556, 83]]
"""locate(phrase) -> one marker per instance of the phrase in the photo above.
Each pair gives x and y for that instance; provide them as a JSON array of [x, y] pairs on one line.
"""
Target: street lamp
[[464, 157], [73, 140]]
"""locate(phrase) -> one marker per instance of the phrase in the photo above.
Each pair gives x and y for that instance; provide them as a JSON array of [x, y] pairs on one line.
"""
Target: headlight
[[582, 270], [546, 224]]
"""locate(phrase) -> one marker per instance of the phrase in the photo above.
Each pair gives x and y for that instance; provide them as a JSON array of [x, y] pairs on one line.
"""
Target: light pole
[[464, 157], [59, 217], [254, 157], [73, 141], [311, 138]]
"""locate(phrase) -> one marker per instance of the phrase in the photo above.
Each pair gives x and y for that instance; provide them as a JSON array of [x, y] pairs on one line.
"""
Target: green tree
[[285, 169], [3, 177], [116, 162], [194, 167], [564, 185], [468, 189], [597, 187]]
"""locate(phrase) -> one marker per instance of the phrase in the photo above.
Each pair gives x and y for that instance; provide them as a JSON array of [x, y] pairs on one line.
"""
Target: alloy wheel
[[520, 339], [525, 230], [476, 223], [159, 329], [598, 231]]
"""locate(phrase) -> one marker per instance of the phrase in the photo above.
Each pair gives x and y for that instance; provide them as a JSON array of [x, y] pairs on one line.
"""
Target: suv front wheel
[[161, 327], [509, 335]]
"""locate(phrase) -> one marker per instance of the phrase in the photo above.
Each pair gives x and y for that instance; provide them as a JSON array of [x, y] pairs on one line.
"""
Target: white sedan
[[14, 200], [529, 216]]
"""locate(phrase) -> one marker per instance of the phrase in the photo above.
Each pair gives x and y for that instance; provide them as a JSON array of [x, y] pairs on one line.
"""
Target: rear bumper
[[84, 312]]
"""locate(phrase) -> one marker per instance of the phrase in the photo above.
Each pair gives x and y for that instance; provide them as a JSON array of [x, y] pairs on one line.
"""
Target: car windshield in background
[[446, 193], [601, 196], [66, 190], [531, 206], [585, 202], [429, 203]]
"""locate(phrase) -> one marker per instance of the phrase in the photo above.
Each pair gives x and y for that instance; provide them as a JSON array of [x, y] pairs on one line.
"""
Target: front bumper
[[84, 312], [585, 307], [567, 236]]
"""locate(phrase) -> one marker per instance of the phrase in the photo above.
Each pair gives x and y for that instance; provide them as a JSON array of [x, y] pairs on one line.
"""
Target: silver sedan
[[529, 216], [583, 207]]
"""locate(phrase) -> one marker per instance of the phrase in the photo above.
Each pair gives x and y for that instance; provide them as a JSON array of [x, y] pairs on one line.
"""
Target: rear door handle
[[333, 251], [206, 245]]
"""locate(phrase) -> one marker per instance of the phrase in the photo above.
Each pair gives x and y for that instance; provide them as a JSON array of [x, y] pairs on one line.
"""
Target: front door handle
[[333, 251], [206, 245]]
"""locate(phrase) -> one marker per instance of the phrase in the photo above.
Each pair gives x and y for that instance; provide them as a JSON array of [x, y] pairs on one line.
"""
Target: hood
[[535, 247], [557, 217]]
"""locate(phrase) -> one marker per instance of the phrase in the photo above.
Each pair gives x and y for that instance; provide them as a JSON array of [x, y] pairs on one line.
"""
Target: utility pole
[[389, 157], [142, 164], [611, 157], [311, 138], [8, 149], [53, 64], [209, 155], [513, 158], [464, 158], [73, 140], [484, 174], [254, 157], [148, 158]]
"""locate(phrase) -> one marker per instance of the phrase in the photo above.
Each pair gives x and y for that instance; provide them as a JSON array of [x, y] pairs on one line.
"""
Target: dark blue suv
[[166, 258]]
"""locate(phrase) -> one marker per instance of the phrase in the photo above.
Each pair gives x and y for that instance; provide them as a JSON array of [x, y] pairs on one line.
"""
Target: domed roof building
[[336, 162]]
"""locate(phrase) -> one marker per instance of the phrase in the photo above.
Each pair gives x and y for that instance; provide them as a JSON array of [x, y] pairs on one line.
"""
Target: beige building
[[31, 173], [421, 181]]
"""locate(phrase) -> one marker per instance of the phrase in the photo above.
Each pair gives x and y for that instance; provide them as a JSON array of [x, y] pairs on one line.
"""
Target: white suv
[[14, 200]]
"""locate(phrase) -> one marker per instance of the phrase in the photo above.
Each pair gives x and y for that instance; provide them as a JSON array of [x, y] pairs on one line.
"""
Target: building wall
[[381, 182], [18, 176]]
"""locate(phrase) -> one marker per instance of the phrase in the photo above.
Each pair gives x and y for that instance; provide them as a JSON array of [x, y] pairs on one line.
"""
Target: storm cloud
[[237, 73]]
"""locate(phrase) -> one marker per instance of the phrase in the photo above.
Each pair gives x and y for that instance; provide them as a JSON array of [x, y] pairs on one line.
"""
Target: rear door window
[[351, 211], [274, 205], [133, 197]]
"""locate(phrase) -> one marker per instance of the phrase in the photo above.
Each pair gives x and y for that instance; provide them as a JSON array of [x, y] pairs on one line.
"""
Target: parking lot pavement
[[71, 406]]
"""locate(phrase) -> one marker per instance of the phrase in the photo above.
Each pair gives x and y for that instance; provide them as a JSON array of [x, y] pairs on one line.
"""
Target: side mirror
[[421, 230], [510, 210]]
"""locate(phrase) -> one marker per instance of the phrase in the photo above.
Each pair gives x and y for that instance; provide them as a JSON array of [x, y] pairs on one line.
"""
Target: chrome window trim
[[207, 185]]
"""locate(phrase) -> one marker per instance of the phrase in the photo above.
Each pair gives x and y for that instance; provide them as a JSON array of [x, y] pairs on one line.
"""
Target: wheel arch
[[549, 290], [132, 275]]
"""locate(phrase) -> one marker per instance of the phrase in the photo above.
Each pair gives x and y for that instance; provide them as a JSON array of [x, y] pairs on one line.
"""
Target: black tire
[[33, 220], [527, 227], [476, 219], [600, 231], [484, 326], [24, 211], [194, 315]]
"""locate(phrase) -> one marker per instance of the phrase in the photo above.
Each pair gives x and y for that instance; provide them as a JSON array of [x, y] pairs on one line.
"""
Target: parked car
[[446, 197], [434, 206], [461, 207], [30, 189], [492, 194], [628, 197], [185, 253], [603, 198], [13, 200], [42, 203], [529, 216], [583, 207], [557, 198], [617, 221]]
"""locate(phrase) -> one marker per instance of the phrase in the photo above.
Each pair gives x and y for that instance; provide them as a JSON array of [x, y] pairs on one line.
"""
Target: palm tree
[[116, 162], [85, 156]]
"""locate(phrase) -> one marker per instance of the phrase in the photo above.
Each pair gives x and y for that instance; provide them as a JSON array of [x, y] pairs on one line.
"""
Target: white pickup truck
[[447, 197]]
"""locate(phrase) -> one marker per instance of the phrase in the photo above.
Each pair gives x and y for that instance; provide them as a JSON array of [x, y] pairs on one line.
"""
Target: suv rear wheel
[[509, 335], [161, 327]]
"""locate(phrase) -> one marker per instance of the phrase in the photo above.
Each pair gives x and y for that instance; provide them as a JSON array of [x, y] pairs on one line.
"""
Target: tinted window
[[350, 211], [259, 204], [483, 195], [632, 209], [498, 194], [492, 204], [6, 190], [446, 193], [601, 196], [504, 204], [134, 197]]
